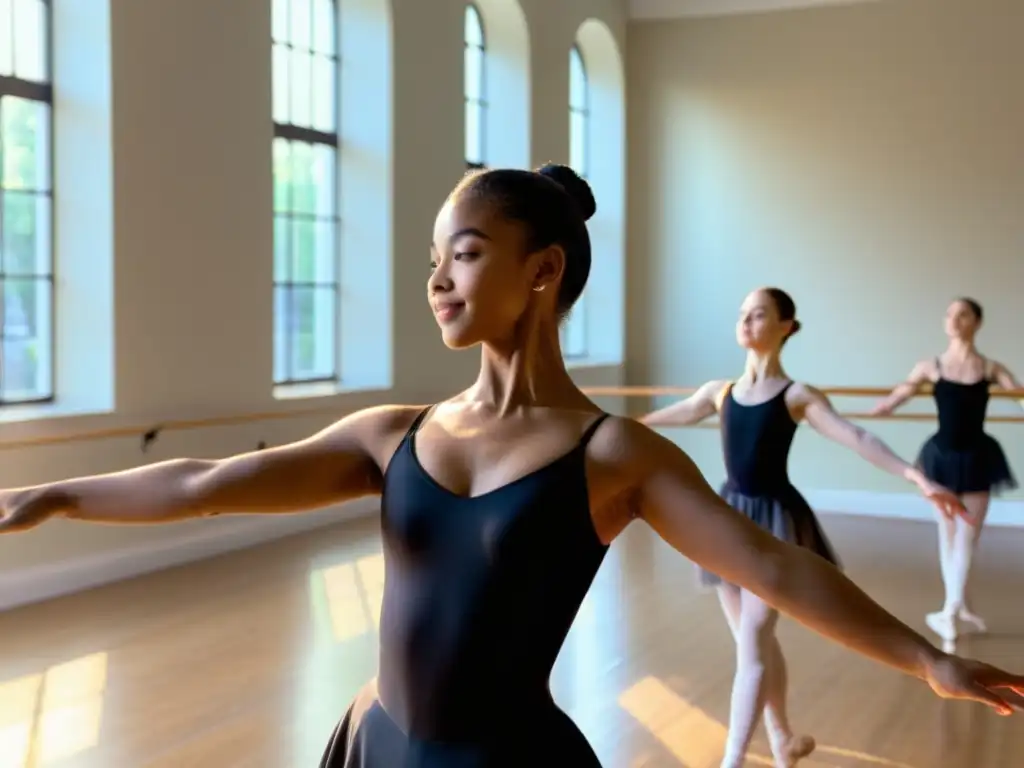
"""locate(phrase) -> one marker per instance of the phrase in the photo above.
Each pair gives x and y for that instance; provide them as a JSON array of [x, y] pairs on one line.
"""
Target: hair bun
[[575, 186]]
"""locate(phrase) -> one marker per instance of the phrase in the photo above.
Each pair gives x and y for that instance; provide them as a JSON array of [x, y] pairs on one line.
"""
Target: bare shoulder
[[1001, 375], [625, 449], [995, 367], [714, 391], [378, 419], [376, 430], [802, 393], [805, 400], [630, 468], [924, 371], [621, 458]]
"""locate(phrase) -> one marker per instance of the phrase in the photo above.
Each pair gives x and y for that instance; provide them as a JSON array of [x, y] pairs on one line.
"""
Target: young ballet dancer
[[960, 455], [498, 506], [759, 413]]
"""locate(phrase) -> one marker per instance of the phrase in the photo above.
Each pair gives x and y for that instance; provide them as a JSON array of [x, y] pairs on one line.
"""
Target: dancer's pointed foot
[[791, 750], [976, 623]]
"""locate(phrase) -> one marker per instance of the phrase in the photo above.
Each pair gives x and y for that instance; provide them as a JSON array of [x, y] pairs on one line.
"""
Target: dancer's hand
[[882, 409], [947, 502], [952, 677], [25, 508]]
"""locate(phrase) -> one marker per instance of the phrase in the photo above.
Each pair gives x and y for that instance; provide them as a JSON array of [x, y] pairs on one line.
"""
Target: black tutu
[[979, 468], [786, 515]]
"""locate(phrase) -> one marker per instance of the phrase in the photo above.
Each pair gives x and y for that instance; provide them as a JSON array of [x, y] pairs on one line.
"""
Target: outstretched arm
[[334, 465], [674, 499], [701, 405], [1006, 380], [820, 414], [919, 376]]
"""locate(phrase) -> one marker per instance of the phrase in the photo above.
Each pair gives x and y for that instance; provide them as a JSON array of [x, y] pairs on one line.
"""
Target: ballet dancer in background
[[759, 413], [498, 506], [960, 455]]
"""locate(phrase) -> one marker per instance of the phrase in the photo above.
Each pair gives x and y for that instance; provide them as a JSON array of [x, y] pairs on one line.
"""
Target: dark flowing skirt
[[979, 468], [786, 515], [543, 737]]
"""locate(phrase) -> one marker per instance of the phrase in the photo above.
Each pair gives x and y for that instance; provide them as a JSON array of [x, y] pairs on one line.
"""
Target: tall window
[[476, 105], [574, 331], [306, 217], [26, 203]]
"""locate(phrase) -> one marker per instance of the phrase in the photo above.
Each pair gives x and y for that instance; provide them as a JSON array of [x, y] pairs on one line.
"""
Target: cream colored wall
[[867, 159], [192, 233]]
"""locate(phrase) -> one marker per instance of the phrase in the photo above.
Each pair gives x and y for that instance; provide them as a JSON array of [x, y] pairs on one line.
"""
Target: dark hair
[[974, 306], [785, 307], [553, 203]]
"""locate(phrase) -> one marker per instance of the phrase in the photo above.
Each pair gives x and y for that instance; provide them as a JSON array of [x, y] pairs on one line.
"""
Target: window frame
[[583, 111], [481, 103], [579, 311], [41, 92], [290, 132]]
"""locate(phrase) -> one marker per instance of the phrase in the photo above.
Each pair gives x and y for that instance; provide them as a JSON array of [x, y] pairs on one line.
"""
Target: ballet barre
[[135, 431], [714, 424], [996, 392]]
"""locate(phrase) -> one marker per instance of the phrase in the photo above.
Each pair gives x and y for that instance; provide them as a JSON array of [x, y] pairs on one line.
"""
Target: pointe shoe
[[792, 751], [974, 620], [943, 625]]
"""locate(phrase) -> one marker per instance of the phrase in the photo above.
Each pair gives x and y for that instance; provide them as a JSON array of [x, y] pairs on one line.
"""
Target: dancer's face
[[759, 327], [481, 277], [961, 322]]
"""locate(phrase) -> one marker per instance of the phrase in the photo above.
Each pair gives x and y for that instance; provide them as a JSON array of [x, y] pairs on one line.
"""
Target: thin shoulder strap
[[589, 433], [938, 365], [723, 394], [986, 369], [416, 422]]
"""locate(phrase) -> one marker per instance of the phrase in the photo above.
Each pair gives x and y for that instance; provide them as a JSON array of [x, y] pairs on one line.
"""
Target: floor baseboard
[[1008, 513]]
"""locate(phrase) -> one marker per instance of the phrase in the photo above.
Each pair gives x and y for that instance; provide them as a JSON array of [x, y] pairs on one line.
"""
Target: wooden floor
[[247, 661]]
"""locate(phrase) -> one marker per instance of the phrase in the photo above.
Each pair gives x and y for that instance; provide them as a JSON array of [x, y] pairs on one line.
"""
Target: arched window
[[26, 202], [306, 218], [579, 113], [476, 104], [574, 330]]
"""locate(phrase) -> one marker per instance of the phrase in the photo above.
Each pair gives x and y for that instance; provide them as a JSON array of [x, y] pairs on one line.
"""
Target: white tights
[[958, 540], [760, 682]]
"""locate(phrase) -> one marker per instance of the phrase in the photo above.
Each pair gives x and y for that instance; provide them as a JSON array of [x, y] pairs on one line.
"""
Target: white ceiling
[[680, 9]]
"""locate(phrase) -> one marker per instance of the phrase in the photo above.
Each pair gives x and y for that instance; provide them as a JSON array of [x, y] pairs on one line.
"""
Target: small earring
[[538, 288]]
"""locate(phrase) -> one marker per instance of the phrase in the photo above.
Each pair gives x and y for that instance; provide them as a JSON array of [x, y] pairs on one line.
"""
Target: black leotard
[[960, 455], [755, 444], [756, 440], [479, 595]]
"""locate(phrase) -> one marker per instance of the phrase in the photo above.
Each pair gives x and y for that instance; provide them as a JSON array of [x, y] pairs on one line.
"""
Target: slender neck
[[526, 370], [959, 350], [764, 365]]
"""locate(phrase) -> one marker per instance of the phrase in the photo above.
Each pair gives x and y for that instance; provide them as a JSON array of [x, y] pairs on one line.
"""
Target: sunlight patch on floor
[[697, 740], [53, 715], [350, 595]]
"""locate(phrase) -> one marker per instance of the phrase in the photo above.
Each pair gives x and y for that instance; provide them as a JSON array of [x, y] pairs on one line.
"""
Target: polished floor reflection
[[247, 661]]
